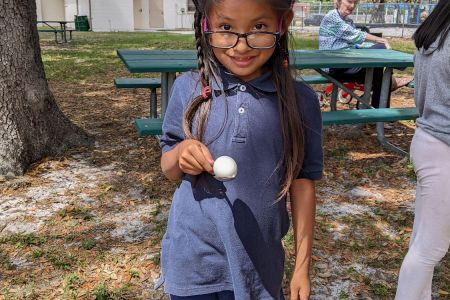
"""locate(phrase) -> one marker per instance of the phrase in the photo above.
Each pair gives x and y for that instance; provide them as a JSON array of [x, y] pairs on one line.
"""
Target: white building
[[121, 15]]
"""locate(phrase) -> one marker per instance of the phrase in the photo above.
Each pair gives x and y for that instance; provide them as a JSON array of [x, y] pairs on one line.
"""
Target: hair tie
[[206, 92], [205, 25]]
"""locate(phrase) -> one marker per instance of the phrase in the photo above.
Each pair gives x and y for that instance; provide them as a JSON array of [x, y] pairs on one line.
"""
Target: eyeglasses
[[254, 39]]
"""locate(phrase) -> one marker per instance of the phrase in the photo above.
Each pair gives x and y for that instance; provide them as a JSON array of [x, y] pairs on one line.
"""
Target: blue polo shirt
[[227, 235]]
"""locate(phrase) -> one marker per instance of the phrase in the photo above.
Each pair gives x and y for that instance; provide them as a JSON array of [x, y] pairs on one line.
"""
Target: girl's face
[[346, 7], [242, 16]]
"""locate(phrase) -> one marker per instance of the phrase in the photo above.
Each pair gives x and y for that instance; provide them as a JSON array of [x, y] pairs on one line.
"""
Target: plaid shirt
[[339, 33]]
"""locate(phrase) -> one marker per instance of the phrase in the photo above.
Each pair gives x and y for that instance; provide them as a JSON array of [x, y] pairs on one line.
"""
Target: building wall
[[120, 15], [156, 14], [112, 15], [51, 10], [176, 15], [39, 9], [83, 7], [141, 14], [70, 10]]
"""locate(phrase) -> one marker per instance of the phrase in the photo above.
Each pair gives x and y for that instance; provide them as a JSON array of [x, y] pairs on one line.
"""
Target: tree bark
[[31, 124]]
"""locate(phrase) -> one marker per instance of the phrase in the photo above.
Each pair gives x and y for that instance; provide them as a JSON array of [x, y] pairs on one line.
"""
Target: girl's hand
[[194, 157], [300, 286]]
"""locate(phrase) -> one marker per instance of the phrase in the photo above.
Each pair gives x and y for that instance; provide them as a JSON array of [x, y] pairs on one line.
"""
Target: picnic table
[[169, 62], [62, 29]]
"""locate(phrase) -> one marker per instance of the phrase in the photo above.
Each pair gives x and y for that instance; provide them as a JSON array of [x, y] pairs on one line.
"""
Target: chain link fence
[[367, 14]]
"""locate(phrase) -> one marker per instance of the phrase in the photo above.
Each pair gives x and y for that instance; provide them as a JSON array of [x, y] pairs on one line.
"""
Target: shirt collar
[[229, 81]]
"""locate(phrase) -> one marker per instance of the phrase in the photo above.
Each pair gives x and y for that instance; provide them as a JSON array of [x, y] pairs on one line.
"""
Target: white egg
[[225, 168]]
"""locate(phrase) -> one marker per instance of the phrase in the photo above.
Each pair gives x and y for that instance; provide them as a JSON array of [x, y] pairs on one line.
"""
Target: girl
[[430, 154], [223, 239]]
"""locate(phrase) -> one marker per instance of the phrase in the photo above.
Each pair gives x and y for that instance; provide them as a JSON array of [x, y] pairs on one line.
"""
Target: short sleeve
[[173, 119], [312, 167]]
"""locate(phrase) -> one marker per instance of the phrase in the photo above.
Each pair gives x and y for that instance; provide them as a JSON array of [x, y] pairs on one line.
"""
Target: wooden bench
[[54, 30], [339, 117], [378, 116], [148, 126], [151, 127], [312, 79], [70, 33], [148, 83]]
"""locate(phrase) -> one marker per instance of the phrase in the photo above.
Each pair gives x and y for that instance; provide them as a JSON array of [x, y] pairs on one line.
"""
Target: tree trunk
[[31, 124]]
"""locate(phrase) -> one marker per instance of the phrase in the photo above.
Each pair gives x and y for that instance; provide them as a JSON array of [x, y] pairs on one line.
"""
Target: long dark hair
[[437, 23], [291, 123]]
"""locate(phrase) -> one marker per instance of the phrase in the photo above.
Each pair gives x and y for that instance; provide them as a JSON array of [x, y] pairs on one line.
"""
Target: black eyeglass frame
[[244, 35]]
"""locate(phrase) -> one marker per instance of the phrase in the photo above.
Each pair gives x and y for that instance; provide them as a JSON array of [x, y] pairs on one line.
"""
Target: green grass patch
[[37, 253], [133, 273], [23, 240], [77, 212], [60, 259], [89, 244], [103, 292], [381, 290]]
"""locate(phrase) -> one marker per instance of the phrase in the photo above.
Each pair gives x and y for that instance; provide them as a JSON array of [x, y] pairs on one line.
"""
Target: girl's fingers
[[196, 159], [188, 162], [207, 161], [191, 169]]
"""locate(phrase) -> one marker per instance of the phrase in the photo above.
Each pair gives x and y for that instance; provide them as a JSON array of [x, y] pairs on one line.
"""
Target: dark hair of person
[[197, 112], [437, 23]]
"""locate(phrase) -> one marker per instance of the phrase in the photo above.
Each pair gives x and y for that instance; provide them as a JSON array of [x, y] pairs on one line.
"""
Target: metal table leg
[[368, 82], [342, 86], [386, 85], [334, 96], [167, 80]]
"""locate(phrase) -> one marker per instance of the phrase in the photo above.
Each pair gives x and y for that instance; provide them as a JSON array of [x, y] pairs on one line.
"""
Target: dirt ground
[[88, 224]]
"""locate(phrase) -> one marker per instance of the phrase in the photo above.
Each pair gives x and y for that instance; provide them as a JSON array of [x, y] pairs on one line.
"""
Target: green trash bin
[[81, 23]]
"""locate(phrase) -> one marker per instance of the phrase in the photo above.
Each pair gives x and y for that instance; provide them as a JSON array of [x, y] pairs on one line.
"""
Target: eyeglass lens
[[230, 39]]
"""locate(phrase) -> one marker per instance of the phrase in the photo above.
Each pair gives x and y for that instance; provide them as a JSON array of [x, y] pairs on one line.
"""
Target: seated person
[[337, 31]]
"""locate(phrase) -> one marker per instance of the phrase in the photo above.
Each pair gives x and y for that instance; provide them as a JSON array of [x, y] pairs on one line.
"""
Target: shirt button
[[241, 110], [243, 88]]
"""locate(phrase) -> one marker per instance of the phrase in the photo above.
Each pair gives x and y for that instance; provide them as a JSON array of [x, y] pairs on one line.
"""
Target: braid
[[198, 109], [198, 46]]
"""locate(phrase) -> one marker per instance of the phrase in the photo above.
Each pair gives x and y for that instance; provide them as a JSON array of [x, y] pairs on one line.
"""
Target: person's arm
[[303, 207], [189, 157], [376, 39]]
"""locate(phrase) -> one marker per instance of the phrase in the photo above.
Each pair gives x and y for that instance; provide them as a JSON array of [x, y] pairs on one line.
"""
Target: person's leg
[[377, 82], [376, 88], [430, 239]]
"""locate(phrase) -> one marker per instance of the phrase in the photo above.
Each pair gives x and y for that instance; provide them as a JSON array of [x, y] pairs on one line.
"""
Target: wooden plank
[[150, 83], [148, 126], [369, 115], [312, 79], [138, 61]]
